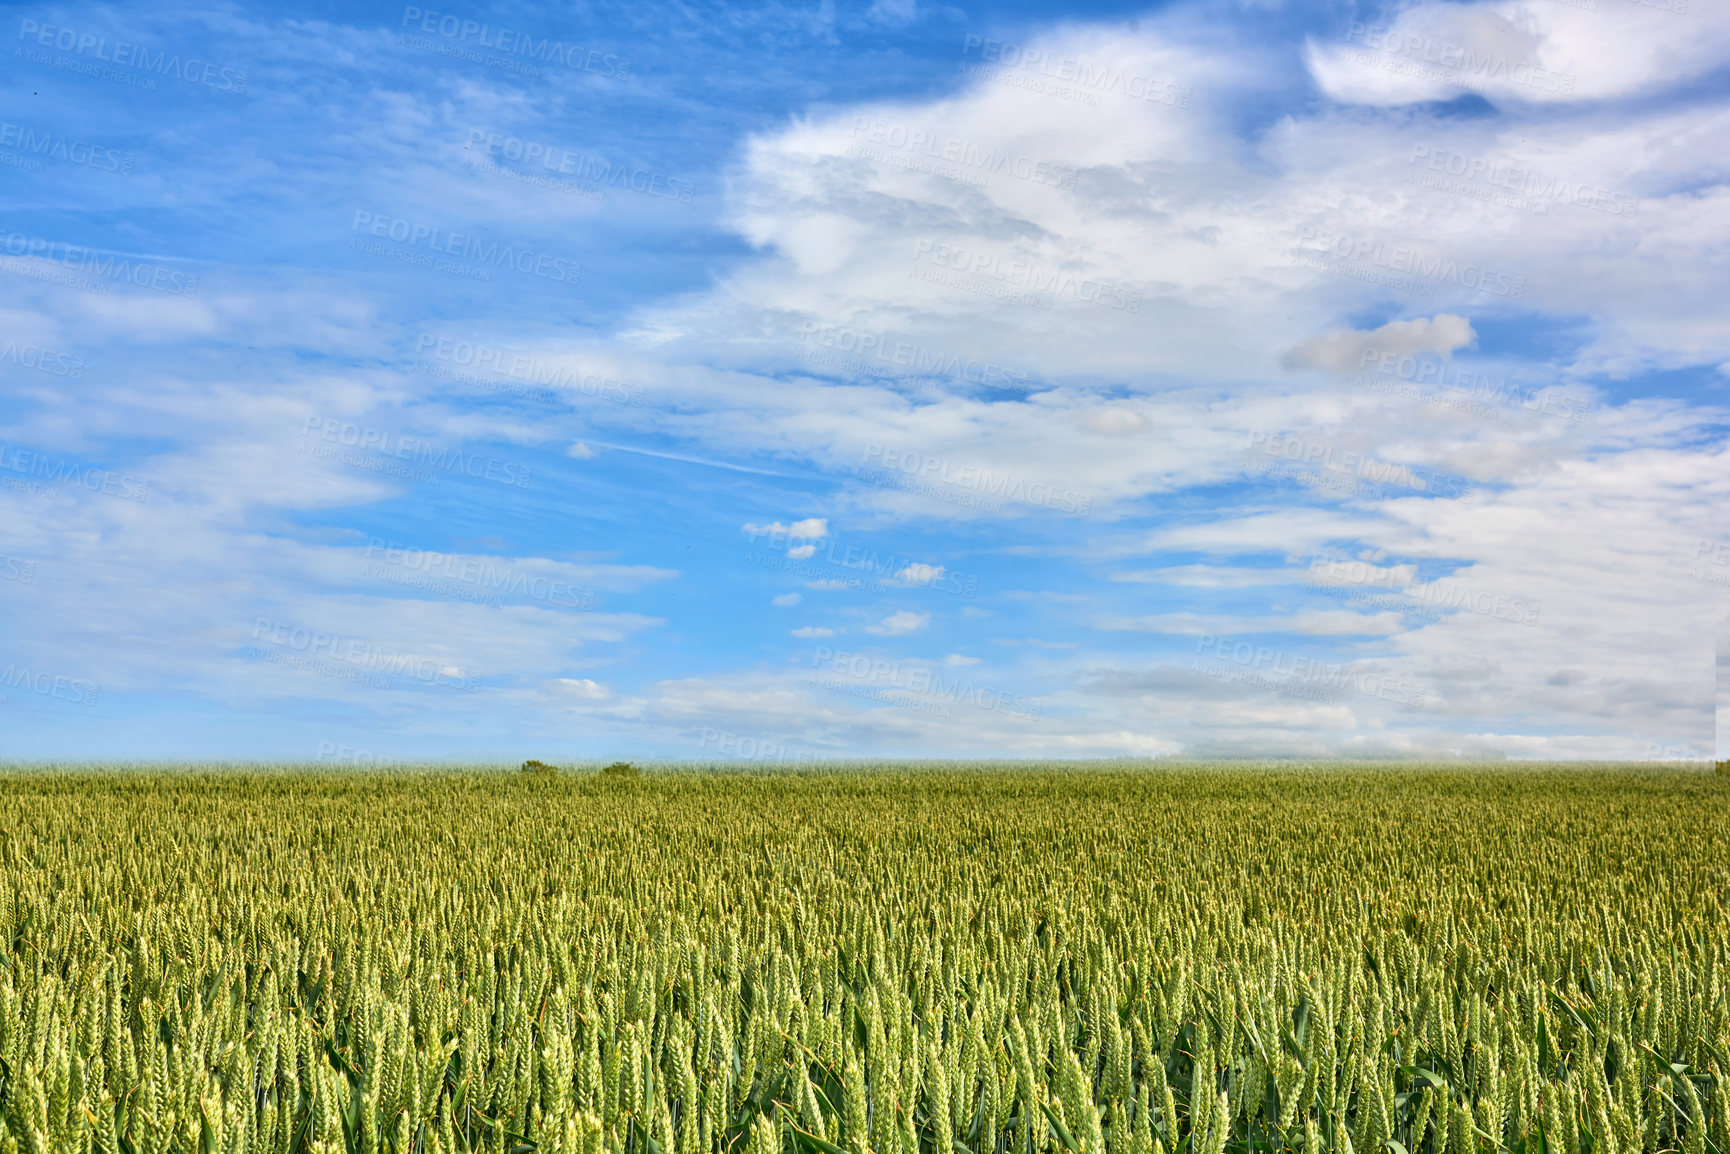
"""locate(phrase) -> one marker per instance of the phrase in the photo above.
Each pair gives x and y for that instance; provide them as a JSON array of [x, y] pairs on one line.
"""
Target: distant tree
[[540, 768], [621, 769]]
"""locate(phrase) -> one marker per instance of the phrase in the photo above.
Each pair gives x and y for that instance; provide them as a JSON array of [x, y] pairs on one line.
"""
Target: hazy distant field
[[925, 961]]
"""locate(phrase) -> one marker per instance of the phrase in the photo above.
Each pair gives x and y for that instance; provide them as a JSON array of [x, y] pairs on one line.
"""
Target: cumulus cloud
[[900, 623], [811, 528], [581, 689], [1239, 266]]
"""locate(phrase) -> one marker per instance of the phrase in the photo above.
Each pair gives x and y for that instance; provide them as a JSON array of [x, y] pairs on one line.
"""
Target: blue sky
[[835, 380]]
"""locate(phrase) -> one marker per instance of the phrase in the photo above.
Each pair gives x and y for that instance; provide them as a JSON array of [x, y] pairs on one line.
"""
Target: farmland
[[924, 960]]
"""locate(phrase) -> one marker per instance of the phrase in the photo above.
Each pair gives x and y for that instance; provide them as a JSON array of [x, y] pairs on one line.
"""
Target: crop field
[[923, 960]]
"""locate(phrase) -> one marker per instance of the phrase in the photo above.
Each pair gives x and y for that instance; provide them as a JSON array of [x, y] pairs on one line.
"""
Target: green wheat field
[[921, 959]]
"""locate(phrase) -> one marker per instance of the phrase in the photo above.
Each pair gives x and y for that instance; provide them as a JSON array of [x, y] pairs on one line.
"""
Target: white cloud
[[1518, 52], [813, 631], [893, 12], [1113, 421], [1215, 249], [810, 529], [900, 623], [1361, 575], [219, 547], [1208, 576], [1348, 350], [786, 600]]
